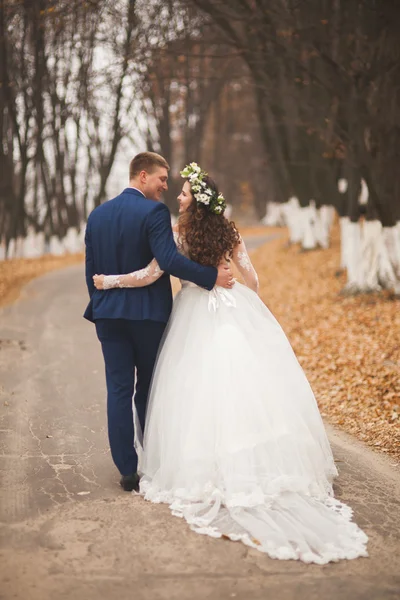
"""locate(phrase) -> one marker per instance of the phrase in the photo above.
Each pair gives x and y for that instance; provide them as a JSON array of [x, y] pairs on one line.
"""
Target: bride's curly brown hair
[[209, 237]]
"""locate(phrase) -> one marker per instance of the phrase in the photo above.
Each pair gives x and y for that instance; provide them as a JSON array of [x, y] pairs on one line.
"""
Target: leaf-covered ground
[[349, 347], [15, 273]]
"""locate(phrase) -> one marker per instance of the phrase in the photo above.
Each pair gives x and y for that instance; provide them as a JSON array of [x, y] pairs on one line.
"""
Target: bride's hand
[[98, 281]]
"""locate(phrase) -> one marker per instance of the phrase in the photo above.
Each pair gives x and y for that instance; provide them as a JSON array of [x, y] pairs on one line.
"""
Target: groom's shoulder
[[154, 208], [104, 207], [140, 201], [143, 205]]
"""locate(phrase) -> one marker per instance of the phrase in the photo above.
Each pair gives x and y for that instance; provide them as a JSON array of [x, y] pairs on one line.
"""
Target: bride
[[234, 441]]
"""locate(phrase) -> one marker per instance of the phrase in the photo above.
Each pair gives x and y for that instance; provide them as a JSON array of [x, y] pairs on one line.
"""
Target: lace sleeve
[[141, 278], [243, 263]]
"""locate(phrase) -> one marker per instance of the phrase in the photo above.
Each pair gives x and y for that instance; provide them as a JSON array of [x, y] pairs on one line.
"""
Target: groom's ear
[[143, 176]]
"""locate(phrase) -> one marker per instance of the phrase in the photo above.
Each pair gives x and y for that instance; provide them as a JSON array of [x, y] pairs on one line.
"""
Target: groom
[[123, 235]]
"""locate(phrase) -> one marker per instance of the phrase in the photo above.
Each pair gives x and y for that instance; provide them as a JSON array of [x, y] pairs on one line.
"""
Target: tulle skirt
[[234, 440]]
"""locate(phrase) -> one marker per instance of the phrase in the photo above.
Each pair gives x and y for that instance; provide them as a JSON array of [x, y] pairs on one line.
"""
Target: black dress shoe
[[130, 482]]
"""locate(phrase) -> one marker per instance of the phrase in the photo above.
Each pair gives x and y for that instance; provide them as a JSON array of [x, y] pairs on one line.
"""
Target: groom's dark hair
[[146, 161]]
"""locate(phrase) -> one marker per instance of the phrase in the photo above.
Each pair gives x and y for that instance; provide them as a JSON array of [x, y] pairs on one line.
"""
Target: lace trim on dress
[[244, 260], [208, 514]]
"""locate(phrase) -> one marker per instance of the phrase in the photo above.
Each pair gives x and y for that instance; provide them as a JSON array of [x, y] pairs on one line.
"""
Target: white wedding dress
[[234, 441]]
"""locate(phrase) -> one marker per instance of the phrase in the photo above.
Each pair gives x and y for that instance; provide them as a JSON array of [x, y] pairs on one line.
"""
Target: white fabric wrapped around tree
[[11, 249], [15, 248], [292, 216], [19, 248], [372, 257], [389, 259], [33, 246], [81, 235], [363, 254], [325, 217], [371, 249], [72, 242], [344, 242], [56, 246], [352, 232], [308, 225], [391, 240], [40, 243], [308, 217], [274, 216]]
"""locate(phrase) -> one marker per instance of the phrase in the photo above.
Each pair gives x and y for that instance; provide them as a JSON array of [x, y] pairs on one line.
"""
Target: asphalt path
[[68, 531]]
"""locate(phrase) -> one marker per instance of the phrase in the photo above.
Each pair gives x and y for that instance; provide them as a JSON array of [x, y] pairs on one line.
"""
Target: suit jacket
[[124, 235]]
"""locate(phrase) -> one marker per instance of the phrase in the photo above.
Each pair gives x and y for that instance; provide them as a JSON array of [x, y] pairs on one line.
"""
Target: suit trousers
[[130, 350]]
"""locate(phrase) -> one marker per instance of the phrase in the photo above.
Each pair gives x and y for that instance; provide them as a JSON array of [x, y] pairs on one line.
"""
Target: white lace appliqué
[[142, 273], [111, 281], [149, 273], [157, 271], [244, 260], [152, 271]]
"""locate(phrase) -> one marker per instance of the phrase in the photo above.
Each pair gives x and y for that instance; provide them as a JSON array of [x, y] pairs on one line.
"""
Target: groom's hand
[[225, 277]]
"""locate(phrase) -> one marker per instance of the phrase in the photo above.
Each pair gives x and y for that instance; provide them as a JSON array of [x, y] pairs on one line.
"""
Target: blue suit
[[124, 235]]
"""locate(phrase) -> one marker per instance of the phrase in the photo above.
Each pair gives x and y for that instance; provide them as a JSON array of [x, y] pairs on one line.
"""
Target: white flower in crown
[[201, 191], [195, 167], [203, 198]]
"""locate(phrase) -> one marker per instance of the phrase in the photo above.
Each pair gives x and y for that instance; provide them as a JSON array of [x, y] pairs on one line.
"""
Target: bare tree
[[67, 99]]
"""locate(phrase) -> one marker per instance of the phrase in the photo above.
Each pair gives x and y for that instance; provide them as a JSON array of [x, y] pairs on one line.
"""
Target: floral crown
[[201, 191]]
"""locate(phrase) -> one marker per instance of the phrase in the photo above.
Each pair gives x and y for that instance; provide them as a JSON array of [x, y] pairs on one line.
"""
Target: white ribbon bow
[[220, 295]]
